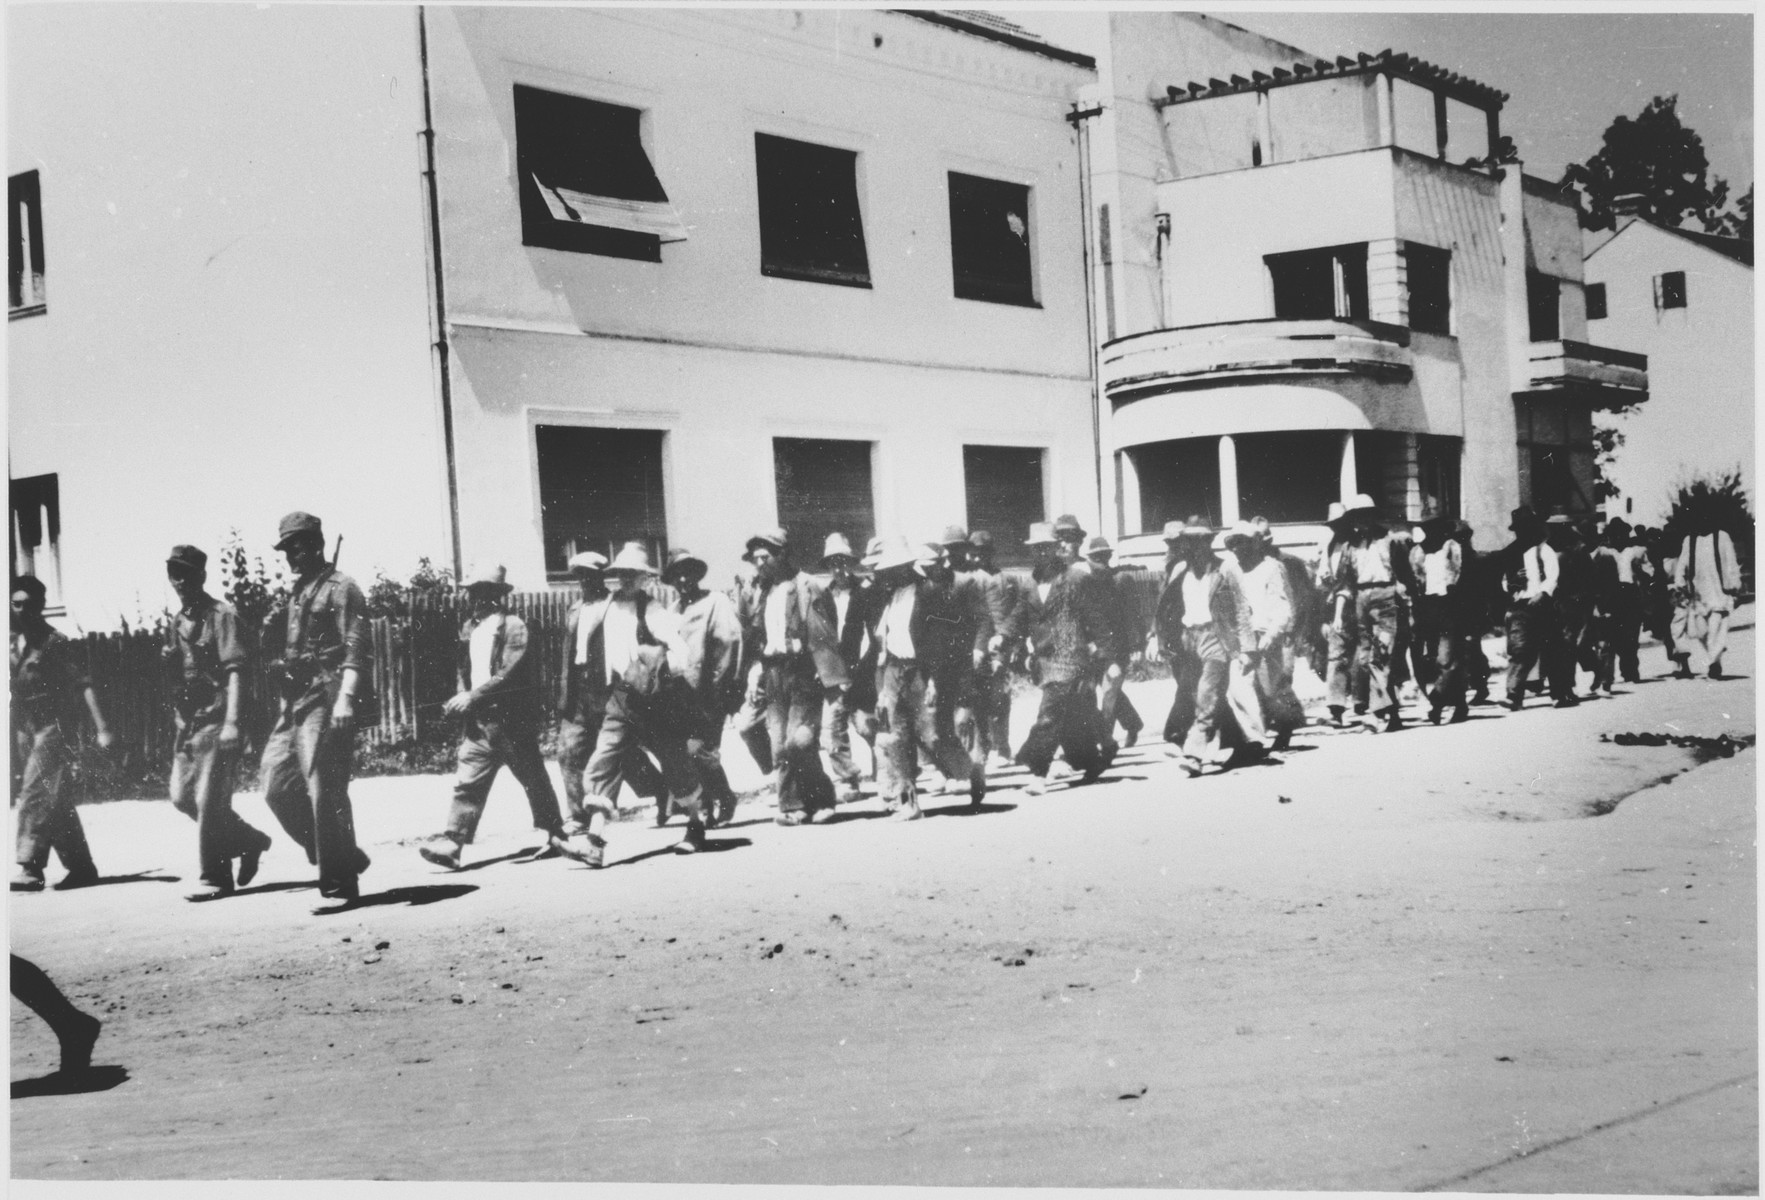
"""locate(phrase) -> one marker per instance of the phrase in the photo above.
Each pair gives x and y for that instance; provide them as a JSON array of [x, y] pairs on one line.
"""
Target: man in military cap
[[498, 707], [324, 660], [796, 664], [206, 652], [712, 637], [993, 679], [49, 690]]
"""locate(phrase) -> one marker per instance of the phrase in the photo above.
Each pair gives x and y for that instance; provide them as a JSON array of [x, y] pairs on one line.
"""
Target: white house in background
[[713, 270], [699, 272], [1686, 300], [1308, 292]]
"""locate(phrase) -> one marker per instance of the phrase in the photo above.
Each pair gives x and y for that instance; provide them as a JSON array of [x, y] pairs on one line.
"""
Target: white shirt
[[1540, 563], [1265, 587], [619, 636], [896, 627], [1441, 568], [1197, 610], [842, 601], [585, 628], [777, 619], [483, 644]]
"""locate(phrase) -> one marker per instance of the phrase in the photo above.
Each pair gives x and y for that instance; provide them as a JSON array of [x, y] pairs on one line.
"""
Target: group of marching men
[[912, 647]]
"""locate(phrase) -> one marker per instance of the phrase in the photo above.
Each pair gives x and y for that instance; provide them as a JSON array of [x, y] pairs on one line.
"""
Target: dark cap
[[1523, 518], [295, 524], [188, 557], [1068, 529], [31, 586], [685, 563], [775, 540]]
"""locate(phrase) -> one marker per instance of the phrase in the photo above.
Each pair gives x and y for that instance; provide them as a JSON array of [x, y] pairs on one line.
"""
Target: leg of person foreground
[[1428, 968]]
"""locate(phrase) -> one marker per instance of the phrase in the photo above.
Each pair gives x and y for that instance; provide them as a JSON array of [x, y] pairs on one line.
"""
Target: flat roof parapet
[[1386, 62]]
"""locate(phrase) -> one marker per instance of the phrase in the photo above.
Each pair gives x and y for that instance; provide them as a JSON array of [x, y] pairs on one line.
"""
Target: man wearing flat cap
[[206, 653], [796, 665], [324, 662], [50, 693], [499, 711], [712, 636]]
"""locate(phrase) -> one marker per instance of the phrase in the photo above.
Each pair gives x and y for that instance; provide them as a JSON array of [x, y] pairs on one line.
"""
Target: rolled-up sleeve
[[352, 628], [229, 646]]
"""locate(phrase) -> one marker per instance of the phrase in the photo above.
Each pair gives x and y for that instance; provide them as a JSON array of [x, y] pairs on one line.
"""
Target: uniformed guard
[[49, 684], [206, 652], [325, 660]]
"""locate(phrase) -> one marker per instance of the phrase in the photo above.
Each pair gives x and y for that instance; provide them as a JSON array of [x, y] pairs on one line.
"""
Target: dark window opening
[[823, 487], [585, 182], [1320, 285], [1596, 301], [1554, 486], [34, 534], [990, 240], [810, 223], [1437, 473], [24, 256], [1430, 283], [1670, 290], [1541, 308], [1178, 479], [598, 489], [1004, 487], [1380, 467], [1288, 476]]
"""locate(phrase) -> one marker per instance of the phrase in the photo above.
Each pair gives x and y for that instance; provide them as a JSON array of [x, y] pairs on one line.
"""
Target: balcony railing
[[1168, 360], [1621, 376]]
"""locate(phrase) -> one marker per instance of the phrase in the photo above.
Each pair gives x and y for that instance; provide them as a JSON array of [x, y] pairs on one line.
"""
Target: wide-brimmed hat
[[295, 524], [954, 535], [775, 540], [1240, 531], [589, 562], [494, 578], [1041, 534], [837, 546], [633, 558], [188, 557], [896, 553], [1067, 529], [980, 539], [873, 552], [1523, 518], [1194, 527], [1361, 503], [1222, 540], [1618, 525], [1336, 512], [684, 562], [1098, 545]]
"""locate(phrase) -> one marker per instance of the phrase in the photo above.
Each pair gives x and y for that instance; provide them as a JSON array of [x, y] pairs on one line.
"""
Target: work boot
[[248, 863], [694, 841], [77, 1041], [81, 876], [443, 850], [208, 891], [1715, 671], [28, 879], [1460, 715]]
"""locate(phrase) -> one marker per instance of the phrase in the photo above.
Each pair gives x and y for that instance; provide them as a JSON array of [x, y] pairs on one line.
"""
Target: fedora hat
[[633, 559], [1067, 529], [1194, 527], [684, 562], [1240, 531], [1336, 512], [837, 546], [980, 539], [493, 578], [1098, 545], [1522, 518], [954, 535], [1222, 540], [1041, 534], [589, 562], [1361, 503], [896, 553]]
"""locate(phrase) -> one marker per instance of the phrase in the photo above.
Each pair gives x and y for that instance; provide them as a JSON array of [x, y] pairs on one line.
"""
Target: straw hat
[[1041, 534], [837, 546], [488, 577], [589, 562], [633, 559]]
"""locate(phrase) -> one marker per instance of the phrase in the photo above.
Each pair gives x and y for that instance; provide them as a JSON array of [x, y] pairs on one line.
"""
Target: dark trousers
[[37, 992], [792, 695], [1440, 633], [1378, 620], [704, 745], [909, 728], [1066, 719], [488, 744], [1341, 638], [305, 770], [1531, 629], [993, 716], [1624, 628], [659, 724], [956, 703], [202, 789], [47, 818], [1570, 647], [756, 734]]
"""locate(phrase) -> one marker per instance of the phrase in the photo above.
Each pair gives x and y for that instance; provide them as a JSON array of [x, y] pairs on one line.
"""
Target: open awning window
[[586, 182]]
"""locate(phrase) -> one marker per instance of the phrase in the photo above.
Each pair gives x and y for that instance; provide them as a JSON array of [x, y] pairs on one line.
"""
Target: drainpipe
[[1517, 314], [1077, 118], [438, 293]]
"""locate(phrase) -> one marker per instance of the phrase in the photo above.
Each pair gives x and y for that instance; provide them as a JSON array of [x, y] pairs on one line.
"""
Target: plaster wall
[[1699, 417], [237, 320]]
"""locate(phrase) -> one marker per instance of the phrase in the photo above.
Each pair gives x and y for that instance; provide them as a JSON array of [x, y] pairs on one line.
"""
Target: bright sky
[[1567, 75]]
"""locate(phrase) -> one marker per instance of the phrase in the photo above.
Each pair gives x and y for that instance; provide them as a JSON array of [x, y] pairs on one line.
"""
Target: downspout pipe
[[438, 292], [1077, 117]]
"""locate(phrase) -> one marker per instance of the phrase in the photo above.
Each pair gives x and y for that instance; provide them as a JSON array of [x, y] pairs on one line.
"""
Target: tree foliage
[[1708, 502], [1656, 158]]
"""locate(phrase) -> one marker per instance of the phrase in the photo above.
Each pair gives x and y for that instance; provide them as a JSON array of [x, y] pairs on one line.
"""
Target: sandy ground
[[1400, 962]]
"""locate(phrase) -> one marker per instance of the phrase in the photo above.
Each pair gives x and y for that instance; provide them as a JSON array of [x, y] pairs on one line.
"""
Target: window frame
[[1348, 265], [659, 424], [774, 261], [1671, 291], [1419, 252], [25, 240], [974, 286], [31, 559], [1592, 292], [1535, 281]]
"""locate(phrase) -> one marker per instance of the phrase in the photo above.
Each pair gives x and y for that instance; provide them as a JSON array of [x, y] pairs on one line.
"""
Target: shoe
[[77, 1044], [1132, 737], [1460, 715], [1037, 786], [79, 878], [1480, 698], [1283, 740], [207, 892], [362, 861], [1393, 723], [339, 889], [441, 850], [910, 811], [663, 811], [818, 816], [847, 793], [694, 841], [1434, 713], [726, 811], [248, 863], [28, 879], [552, 847], [1715, 671], [795, 817], [1191, 765], [1513, 705], [1565, 702], [594, 855], [1336, 711]]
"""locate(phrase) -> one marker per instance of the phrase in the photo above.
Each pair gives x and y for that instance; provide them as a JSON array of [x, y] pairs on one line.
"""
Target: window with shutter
[[598, 489], [811, 225], [824, 487], [990, 240]]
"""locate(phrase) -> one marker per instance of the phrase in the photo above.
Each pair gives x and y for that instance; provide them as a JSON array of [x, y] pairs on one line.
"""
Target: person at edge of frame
[[206, 653], [323, 667], [49, 688]]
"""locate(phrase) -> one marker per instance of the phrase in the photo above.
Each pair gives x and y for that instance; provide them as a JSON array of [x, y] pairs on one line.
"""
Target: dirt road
[[1408, 962]]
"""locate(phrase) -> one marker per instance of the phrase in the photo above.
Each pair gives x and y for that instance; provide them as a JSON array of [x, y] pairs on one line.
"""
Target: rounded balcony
[[1196, 356]]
